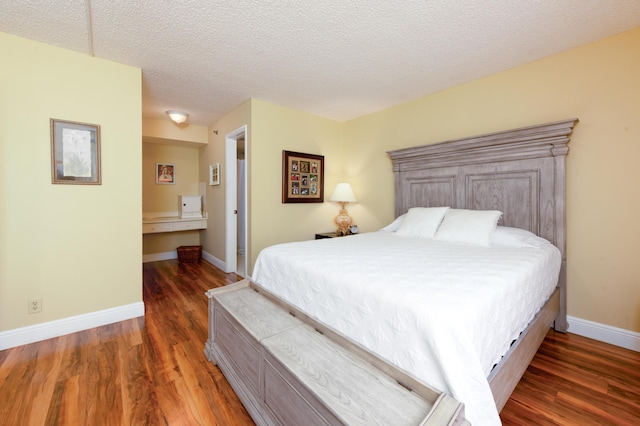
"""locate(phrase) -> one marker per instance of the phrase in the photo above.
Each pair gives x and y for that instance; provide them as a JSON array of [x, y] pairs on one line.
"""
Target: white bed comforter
[[445, 313]]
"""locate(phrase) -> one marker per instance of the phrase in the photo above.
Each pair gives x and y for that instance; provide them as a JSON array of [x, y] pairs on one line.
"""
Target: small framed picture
[[75, 153], [214, 174], [165, 173]]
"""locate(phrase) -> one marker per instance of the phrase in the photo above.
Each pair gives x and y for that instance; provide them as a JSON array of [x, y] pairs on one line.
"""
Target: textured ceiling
[[336, 58]]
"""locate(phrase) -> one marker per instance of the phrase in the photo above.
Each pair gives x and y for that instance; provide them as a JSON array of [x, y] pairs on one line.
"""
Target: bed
[[370, 288]]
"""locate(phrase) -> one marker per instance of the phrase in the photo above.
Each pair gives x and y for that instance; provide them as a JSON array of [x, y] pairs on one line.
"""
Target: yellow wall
[[166, 131], [78, 247], [166, 242], [165, 198], [213, 239], [160, 198], [600, 84], [274, 129]]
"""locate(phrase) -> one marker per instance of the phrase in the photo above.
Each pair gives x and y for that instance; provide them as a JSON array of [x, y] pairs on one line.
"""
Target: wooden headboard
[[520, 172]]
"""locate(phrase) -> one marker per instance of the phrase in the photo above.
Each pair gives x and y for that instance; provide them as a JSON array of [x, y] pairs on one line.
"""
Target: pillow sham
[[468, 226], [505, 236], [393, 226], [421, 222]]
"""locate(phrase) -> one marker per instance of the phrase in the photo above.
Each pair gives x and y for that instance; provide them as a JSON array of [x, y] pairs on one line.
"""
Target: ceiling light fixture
[[178, 117]]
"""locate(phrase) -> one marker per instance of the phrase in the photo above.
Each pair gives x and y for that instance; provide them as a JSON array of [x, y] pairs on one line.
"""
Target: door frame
[[231, 199]]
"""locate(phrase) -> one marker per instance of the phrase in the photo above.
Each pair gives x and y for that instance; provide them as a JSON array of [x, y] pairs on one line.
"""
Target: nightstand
[[325, 235]]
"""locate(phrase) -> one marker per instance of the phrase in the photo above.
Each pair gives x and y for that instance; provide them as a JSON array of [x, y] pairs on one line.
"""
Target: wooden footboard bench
[[288, 369]]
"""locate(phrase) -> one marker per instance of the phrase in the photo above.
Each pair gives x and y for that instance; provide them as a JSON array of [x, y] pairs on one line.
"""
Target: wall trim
[[174, 255], [47, 330], [605, 333], [214, 260], [159, 256]]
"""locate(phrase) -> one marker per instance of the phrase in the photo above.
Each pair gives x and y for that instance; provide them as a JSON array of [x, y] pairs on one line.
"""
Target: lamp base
[[344, 221], [342, 232]]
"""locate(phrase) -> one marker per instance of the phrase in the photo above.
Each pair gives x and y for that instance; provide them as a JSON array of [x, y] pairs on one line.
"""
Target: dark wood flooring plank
[[103, 385], [140, 404], [68, 403]]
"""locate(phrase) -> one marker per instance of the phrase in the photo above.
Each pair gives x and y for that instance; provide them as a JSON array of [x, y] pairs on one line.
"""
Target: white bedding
[[444, 312]]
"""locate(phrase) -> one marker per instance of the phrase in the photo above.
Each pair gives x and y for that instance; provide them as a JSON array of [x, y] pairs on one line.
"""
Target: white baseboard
[[159, 256], [605, 333], [35, 333], [174, 255], [214, 260]]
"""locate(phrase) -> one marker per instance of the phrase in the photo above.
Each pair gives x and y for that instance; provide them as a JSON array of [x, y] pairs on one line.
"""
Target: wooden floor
[[573, 380], [152, 371], [146, 371]]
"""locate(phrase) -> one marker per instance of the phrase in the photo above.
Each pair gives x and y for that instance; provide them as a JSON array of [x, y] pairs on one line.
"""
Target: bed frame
[[520, 172]]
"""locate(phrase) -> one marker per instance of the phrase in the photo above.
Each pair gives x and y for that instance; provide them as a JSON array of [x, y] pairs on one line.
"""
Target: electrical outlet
[[35, 305]]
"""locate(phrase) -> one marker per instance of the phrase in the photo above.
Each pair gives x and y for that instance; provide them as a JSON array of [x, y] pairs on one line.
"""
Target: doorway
[[236, 201]]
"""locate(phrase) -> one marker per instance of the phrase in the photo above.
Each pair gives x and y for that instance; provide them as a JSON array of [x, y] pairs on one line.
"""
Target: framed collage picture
[[302, 177]]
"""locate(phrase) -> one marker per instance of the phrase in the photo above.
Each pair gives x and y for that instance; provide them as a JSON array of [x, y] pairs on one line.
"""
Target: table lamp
[[343, 194]]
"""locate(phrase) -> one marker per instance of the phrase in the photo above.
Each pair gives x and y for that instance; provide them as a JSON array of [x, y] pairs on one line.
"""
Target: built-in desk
[[172, 224]]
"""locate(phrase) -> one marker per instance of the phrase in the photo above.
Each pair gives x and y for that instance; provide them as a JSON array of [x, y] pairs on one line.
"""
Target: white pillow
[[421, 222], [468, 226], [504, 236], [393, 226]]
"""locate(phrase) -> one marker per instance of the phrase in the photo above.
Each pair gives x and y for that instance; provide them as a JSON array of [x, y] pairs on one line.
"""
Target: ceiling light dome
[[178, 117]]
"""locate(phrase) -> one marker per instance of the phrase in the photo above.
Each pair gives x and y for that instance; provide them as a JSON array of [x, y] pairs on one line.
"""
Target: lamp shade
[[177, 117], [343, 194]]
